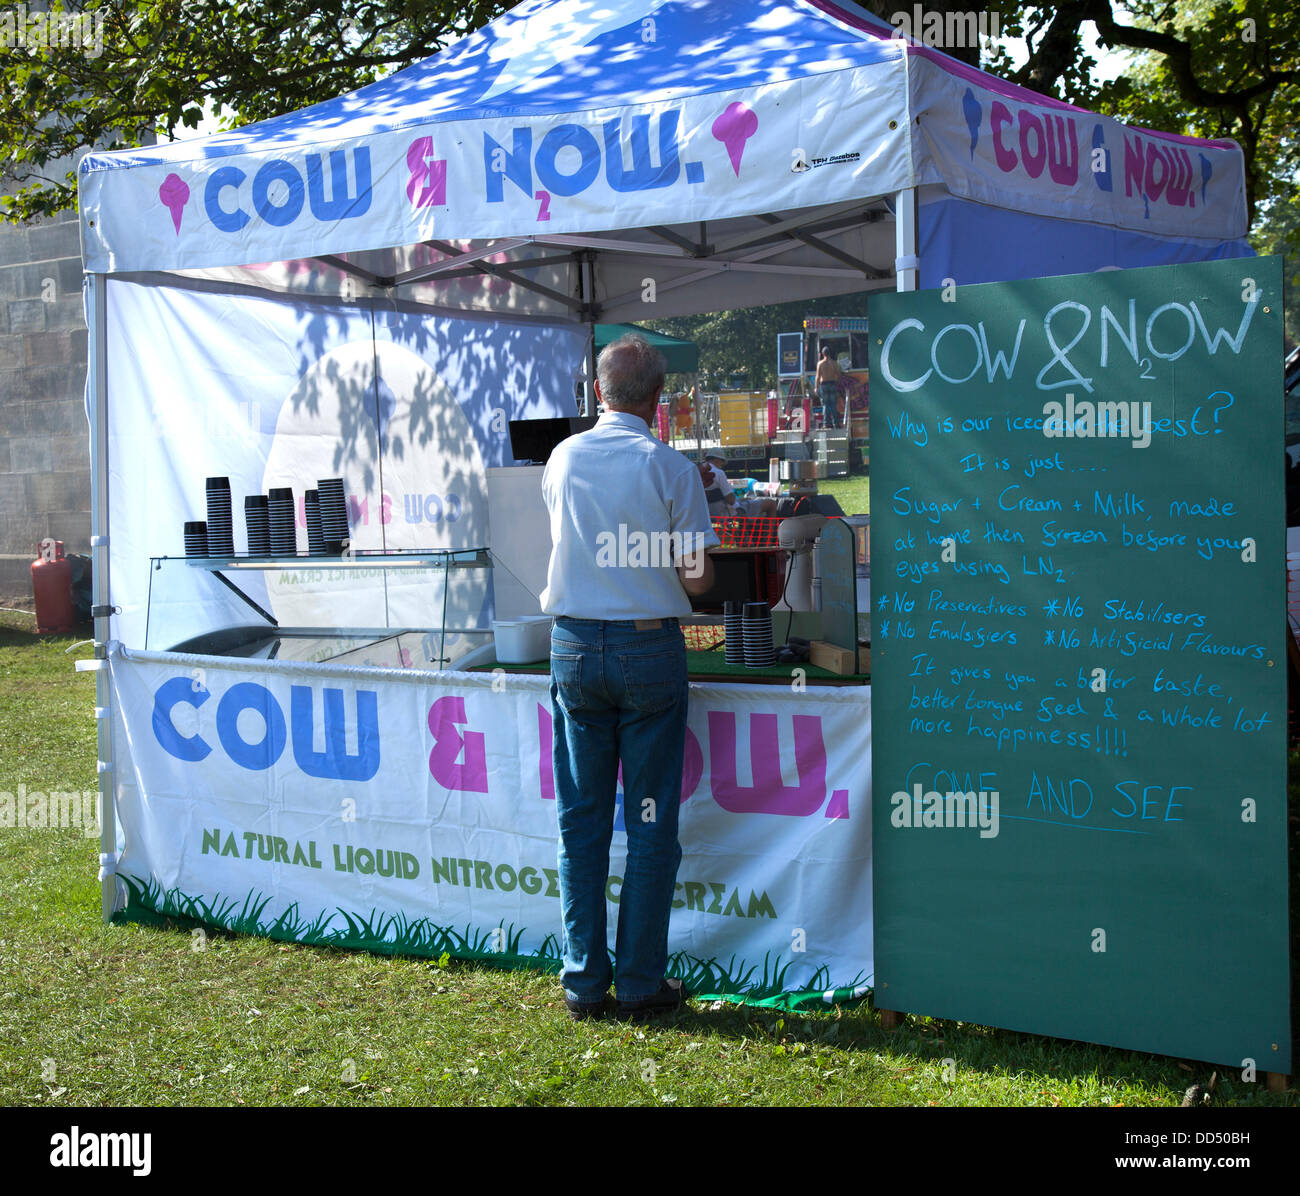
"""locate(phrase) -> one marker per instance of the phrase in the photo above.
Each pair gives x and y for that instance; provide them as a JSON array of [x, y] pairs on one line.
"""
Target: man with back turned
[[630, 531]]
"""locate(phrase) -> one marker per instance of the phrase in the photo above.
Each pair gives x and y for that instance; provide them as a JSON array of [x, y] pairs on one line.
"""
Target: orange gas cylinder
[[52, 587]]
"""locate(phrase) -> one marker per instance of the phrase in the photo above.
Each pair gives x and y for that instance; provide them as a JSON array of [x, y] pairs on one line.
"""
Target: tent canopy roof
[[614, 159], [553, 57]]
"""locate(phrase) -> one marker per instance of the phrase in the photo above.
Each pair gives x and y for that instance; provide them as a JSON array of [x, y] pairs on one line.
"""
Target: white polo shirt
[[624, 509]]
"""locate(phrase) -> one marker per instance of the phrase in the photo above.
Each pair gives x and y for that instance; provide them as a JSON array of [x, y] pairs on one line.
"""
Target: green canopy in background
[[683, 357]]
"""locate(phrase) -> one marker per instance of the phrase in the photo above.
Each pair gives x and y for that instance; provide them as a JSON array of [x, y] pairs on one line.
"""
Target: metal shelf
[[460, 558]]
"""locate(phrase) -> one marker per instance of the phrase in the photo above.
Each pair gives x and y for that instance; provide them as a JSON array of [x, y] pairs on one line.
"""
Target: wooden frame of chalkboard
[[1078, 658]]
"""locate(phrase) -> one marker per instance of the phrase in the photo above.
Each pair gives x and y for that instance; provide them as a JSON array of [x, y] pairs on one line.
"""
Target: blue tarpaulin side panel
[[971, 242]]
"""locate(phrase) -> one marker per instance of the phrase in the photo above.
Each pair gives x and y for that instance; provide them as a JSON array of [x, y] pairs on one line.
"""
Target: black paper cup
[[756, 628], [257, 524], [315, 538], [333, 510], [196, 538], [733, 649], [284, 531]]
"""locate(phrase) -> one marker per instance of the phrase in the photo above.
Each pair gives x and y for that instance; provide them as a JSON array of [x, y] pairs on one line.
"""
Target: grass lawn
[[852, 493], [129, 1015]]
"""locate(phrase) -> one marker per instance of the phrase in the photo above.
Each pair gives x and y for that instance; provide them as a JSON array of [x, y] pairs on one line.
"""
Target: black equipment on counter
[[534, 440]]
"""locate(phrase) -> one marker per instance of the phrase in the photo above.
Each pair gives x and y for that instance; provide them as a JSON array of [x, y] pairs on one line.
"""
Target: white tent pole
[[906, 262], [97, 412]]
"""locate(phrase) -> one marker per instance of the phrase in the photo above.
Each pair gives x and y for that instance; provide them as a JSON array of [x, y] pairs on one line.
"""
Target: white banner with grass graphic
[[414, 813]]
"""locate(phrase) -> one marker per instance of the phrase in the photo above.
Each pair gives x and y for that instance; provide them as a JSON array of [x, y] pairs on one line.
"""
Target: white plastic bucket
[[522, 641]]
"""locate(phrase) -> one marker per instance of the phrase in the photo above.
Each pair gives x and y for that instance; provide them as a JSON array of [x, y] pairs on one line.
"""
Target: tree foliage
[[1206, 68], [161, 63], [744, 341]]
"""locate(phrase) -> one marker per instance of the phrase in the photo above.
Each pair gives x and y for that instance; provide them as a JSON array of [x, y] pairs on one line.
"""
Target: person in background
[[618, 678], [827, 382], [718, 490]]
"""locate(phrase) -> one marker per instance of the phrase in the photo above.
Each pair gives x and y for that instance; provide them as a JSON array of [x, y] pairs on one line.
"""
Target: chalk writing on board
[[1078, 605]]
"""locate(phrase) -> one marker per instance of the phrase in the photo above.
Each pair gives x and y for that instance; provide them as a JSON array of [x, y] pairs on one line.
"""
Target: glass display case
[[392, 609]]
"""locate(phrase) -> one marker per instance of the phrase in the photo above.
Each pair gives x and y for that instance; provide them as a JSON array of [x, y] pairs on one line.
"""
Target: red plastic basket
[[744, 531]]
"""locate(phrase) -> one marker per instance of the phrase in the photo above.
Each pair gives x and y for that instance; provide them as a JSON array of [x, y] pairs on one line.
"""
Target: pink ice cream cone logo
[[737, 124], [175, 194]]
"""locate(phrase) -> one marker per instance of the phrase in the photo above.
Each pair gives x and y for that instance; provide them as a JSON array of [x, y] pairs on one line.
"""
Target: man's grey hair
[[629, 371]]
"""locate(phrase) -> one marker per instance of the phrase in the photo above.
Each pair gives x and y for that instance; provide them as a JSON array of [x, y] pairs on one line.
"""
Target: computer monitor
[[737, 577], [534, 440]]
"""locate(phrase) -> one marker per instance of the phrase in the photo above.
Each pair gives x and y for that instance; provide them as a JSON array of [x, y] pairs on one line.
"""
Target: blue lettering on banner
[[341, 203], [335, 762], [432, 508], [515, 166], [218, 181], [644, 175], [518, 163], [172, 693], [277, 170], [264, 752], [548, 167]]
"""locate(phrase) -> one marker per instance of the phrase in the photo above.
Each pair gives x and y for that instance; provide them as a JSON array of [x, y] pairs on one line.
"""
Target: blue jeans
[[830, 397], [617, 694]]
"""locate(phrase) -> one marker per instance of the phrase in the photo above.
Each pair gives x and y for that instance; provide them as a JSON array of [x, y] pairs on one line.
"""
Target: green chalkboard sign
[[1079, 658]]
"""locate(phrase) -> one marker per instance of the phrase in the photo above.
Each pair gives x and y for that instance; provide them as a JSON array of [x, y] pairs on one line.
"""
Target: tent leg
[[97, 414], [906, 261], [587, 293], [589, 397]]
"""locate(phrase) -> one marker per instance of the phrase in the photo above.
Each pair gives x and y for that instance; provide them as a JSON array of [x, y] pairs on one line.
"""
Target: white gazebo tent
[[578, 162]]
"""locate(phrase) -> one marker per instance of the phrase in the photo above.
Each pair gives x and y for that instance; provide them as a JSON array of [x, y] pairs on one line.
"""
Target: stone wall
[[44, 437]]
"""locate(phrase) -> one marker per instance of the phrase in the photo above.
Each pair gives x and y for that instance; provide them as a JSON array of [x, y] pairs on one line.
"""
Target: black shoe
[[671, 996], [580, 1011]]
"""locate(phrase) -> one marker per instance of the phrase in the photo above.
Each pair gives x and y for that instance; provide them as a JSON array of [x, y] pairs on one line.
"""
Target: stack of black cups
[[756, 629], [196, 539], [734, 645], [333, 515], [221, 528], [311, 508], [284, 533], [259, 529]]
